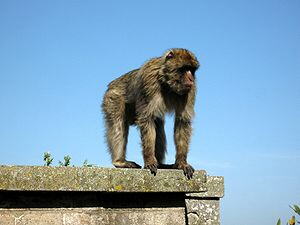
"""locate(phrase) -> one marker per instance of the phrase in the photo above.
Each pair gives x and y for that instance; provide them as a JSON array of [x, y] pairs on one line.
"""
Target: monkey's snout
[[189, 80]]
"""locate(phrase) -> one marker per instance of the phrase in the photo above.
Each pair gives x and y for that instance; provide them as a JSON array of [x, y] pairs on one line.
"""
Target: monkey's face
[[179, 67]]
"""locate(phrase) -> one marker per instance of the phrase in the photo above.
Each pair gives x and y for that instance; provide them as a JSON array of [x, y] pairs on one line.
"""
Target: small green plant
[[66, 161], [278, 222], [48, 159], [87, 164], [293, 220]]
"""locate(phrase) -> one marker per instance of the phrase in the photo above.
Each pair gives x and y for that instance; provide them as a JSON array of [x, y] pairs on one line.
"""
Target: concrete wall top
[[48, 178]]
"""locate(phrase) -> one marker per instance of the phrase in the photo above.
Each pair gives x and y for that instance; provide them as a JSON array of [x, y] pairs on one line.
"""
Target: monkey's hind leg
[[117, 134], [118, 141]]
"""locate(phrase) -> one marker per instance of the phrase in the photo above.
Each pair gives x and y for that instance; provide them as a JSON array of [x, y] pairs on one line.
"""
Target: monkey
[[142, 97]]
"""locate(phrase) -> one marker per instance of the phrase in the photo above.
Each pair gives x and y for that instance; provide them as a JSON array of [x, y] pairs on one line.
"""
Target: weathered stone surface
[[215, 188], [29, 217], [7, 218], [203, 211], [93, 216], [92, 196], [203, 208], [42, 178]]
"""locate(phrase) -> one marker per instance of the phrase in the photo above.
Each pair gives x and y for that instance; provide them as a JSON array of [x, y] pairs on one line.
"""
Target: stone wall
[[32, 195]]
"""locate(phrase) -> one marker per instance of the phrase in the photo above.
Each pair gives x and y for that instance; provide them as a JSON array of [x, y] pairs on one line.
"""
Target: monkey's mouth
[[188, 85], [184, 89], [180, 88]]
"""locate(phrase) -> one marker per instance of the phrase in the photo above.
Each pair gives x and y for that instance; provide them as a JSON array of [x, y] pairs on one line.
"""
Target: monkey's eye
[[170, 55]]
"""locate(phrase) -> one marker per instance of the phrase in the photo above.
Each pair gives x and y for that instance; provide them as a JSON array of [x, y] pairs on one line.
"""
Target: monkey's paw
[[188, 170], [127, 164], [133, 165], [152, 167]]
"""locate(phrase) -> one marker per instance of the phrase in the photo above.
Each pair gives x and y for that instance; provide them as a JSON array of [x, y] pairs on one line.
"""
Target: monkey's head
[[178, 70]]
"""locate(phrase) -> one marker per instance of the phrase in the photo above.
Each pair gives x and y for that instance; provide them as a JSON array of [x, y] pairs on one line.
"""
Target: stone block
[[40, 195]]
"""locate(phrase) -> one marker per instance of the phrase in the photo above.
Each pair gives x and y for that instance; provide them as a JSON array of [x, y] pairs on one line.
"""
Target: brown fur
[[142, 97]]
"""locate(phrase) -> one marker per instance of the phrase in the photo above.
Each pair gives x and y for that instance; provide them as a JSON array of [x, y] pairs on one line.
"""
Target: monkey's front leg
[[182, 134], [148, 135]]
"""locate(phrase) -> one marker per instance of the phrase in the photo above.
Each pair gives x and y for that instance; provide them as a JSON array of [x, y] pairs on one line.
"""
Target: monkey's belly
[[130, 114]]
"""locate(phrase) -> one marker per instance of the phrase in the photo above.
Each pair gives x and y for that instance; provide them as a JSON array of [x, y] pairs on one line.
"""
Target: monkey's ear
[[169, 55]]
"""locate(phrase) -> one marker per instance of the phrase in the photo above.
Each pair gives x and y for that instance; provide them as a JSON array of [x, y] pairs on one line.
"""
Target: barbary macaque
[[142, 97]]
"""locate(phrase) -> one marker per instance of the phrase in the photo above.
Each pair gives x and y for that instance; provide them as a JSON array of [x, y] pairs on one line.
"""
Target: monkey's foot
[[126, 164], [152, 167], [188, 170]]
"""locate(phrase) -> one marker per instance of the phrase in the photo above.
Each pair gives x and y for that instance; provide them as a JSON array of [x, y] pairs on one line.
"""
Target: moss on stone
[[45, 178]]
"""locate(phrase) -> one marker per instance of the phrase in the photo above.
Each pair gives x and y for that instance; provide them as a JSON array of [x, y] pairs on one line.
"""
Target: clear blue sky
[[56, 58]]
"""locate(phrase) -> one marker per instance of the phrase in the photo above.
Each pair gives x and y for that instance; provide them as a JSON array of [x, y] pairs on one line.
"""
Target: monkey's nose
[[189, 81]]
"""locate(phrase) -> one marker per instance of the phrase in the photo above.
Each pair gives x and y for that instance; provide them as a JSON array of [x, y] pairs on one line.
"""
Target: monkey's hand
[[126, 164], [152, 167], [188, 170]]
